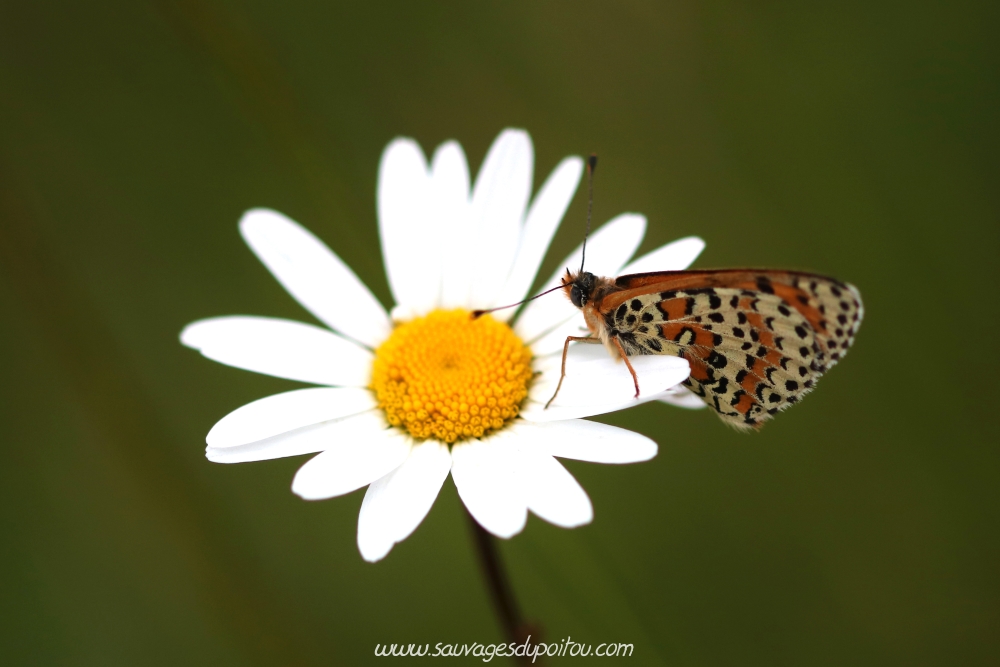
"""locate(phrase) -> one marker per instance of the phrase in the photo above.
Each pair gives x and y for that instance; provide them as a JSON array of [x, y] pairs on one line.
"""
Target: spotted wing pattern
[[757, 342]]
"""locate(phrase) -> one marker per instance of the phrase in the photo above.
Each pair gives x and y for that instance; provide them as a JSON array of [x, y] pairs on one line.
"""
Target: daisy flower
[[406, 397]]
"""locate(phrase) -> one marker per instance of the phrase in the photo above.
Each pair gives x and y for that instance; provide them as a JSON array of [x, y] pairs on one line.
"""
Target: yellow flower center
[[450, 377]]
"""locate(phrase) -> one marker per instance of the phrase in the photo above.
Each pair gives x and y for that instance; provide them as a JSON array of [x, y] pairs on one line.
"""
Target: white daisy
[[404, 400]]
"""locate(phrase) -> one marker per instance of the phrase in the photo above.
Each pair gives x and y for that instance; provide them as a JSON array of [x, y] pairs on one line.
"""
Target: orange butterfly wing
[[757, 340]]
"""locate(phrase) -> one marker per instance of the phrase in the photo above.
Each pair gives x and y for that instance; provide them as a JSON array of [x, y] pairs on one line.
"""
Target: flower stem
[[501, 593]]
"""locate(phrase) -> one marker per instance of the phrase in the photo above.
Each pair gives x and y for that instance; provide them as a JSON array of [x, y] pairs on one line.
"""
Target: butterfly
[[757, 340]]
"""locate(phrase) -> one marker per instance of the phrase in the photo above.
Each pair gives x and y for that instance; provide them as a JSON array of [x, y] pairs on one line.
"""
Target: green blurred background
[[859, 140]]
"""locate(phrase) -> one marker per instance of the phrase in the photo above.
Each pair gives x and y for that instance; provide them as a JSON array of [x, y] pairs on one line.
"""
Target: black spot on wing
[[764, 285], [717, 360], [685, 336]]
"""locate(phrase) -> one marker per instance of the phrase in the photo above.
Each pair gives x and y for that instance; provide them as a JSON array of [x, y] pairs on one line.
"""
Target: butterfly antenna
[[591, 166], [478, 313]]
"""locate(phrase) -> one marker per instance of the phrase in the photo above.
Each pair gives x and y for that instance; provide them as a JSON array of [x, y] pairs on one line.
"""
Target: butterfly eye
[[577, 296]]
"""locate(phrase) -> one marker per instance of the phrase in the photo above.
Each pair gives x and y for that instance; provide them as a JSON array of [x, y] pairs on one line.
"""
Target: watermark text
[[486, 652]]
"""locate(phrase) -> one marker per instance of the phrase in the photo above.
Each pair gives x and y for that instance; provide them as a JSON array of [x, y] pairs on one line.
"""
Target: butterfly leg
[[570, 339], [621, 350]]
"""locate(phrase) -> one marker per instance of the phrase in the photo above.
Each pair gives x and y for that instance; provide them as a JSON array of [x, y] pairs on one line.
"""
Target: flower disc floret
[[451, 377]]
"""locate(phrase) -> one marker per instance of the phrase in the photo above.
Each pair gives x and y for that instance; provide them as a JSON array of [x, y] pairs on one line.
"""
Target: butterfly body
[[757, 340]]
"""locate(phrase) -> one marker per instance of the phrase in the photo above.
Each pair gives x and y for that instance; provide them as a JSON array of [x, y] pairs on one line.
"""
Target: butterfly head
[[579, 287]]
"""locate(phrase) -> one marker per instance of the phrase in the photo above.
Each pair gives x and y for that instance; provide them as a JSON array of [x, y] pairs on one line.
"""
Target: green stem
[[501, 592]]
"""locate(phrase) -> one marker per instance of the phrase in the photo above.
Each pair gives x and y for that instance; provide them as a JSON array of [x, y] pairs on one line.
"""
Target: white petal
[[375, 526], [288, 411], [595, 442], [305, 440], [682, 397], [351, 463], [499, 199], [607, 251], [405, 225], [315, 276], [450, 209], [405, 313], [395, 504], [484, 475], [550, 491], [553, 341], [675, 256], [595, 383], [281, 348], [540, 226]]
